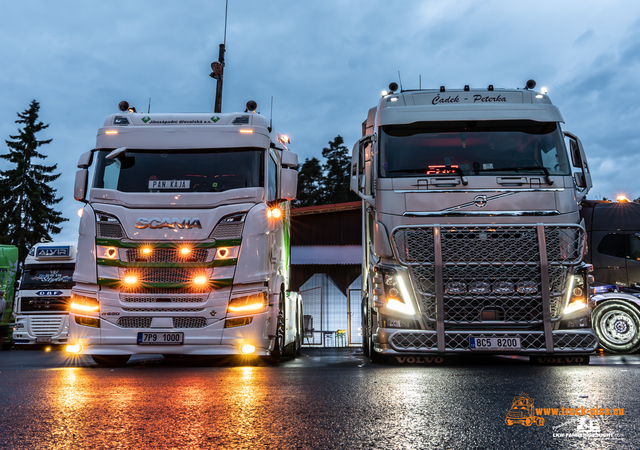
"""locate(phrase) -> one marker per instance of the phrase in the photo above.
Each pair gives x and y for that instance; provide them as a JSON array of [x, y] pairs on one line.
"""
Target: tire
[[111, 360], [278, 346], [617, 325]]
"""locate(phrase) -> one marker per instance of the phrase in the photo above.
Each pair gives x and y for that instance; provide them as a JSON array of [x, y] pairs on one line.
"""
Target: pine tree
[[26, 195], [310, 184], [337, 173]]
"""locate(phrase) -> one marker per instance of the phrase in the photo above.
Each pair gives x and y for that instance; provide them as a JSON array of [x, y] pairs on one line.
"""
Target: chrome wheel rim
[[618, 327]]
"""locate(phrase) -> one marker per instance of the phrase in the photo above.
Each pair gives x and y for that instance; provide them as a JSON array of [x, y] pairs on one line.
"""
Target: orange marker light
[[146, 251], [276, 213], [111, 132], [111, 252], [184, 251], [245, 131], [223, 252], [131, 279], [622, 198], [200, 280]]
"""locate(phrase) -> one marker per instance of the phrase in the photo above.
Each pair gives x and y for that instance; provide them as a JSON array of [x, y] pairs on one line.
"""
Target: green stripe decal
[[168, 265], [120, 244]]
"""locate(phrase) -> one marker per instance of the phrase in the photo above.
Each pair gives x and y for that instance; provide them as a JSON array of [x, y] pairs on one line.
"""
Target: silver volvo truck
[[472, 237]]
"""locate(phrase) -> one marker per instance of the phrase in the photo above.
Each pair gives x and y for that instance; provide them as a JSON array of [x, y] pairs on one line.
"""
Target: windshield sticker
[[169, 184], [53, 276], [487, 166]]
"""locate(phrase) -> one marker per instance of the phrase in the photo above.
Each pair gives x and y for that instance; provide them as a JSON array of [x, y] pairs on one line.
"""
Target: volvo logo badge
[[480, 201], [173, 223]]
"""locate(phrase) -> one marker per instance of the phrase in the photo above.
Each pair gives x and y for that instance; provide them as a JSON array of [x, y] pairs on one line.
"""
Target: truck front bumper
[[214, 339], [41, 329], [390, 341]]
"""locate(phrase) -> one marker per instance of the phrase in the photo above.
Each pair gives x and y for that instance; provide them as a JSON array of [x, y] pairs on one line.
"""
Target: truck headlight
[[253, 302], [396, 295], [576, 299], [83, 304]]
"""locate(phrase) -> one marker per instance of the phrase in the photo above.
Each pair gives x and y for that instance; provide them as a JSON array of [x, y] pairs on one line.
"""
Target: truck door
[[633, 259]]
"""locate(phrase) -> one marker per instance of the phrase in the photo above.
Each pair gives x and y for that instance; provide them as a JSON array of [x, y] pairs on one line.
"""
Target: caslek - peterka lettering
[[487, 99]]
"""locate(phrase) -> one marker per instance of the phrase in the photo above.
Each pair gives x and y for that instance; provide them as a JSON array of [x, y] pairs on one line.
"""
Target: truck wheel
[[278, 346], [111, 360], [617, 325]]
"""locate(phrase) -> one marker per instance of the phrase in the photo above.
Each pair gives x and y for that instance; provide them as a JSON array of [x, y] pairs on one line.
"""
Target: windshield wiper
[[516, 169], [457, 170]]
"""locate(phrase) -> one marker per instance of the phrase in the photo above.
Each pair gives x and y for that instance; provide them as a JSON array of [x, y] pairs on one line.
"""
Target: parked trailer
[[8, 276], [184, 239], [472, 239], [42, 306], [613, 231]]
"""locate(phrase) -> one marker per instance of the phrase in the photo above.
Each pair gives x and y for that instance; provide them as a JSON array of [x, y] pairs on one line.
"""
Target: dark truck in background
[[613, 242]]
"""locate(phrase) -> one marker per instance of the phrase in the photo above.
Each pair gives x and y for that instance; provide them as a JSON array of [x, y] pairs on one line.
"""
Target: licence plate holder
[[494, 343], [160, 338], [43, 340]]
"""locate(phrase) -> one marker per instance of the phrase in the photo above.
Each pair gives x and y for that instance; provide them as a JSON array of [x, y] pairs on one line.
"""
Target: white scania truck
[[42, 303], [184, 239], [472, 237]]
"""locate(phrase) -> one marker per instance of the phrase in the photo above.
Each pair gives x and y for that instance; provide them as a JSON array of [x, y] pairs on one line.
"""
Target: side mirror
[[289, 159], [579, 160], [576, 160], [362, 168], [85, 160], [288, 183], [80, 185]]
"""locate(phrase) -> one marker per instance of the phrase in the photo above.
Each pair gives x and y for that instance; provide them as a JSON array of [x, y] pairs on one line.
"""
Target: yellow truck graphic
[[522, 412]]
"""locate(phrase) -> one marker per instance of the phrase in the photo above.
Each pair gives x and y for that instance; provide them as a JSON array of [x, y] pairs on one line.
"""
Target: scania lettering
[[42, 303], [184, 239], [472, 238]]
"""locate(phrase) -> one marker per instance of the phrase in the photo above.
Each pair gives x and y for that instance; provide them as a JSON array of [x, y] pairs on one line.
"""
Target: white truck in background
[[184, 239], [472, 238], [42, 302]]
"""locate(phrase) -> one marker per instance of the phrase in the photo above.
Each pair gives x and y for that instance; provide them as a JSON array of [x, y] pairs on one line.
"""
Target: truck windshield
[[473, 148], [34, 279], [179, 170]]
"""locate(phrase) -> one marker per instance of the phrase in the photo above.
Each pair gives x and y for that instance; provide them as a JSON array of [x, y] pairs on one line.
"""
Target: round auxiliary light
[[276, 213], [393, 87], [184, 251], [223, 252], [146, 251], [531, 84], [246, 349], [111, 252], [123, 106], [251, 105]]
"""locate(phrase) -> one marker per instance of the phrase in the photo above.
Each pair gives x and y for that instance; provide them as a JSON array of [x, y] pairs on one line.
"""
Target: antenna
[[400, 79], [271, 116], [420, 83], [217, 67], [149, 109]]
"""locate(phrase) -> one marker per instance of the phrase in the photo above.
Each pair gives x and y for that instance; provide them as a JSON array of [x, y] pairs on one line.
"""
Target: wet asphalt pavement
[[326, 398]]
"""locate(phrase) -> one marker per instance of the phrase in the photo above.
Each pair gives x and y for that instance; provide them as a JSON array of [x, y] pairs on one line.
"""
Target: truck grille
[[44, 304], [533, 341], [178, 322], [45, 326], [169, 297], [109, 230], [489, 272], [173, 275], [151, 310], [167, 255]]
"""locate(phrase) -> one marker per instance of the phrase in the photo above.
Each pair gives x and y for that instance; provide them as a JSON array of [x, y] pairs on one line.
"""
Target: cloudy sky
[[324, 62]]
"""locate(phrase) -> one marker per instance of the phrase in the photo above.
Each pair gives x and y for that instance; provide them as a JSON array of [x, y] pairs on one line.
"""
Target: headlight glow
[[84, 304], [254, 302], [74, 348], [246, 349]]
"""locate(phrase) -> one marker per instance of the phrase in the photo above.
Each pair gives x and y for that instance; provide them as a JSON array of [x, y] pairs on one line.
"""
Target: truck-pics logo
[[523, 412], [155, 223]]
